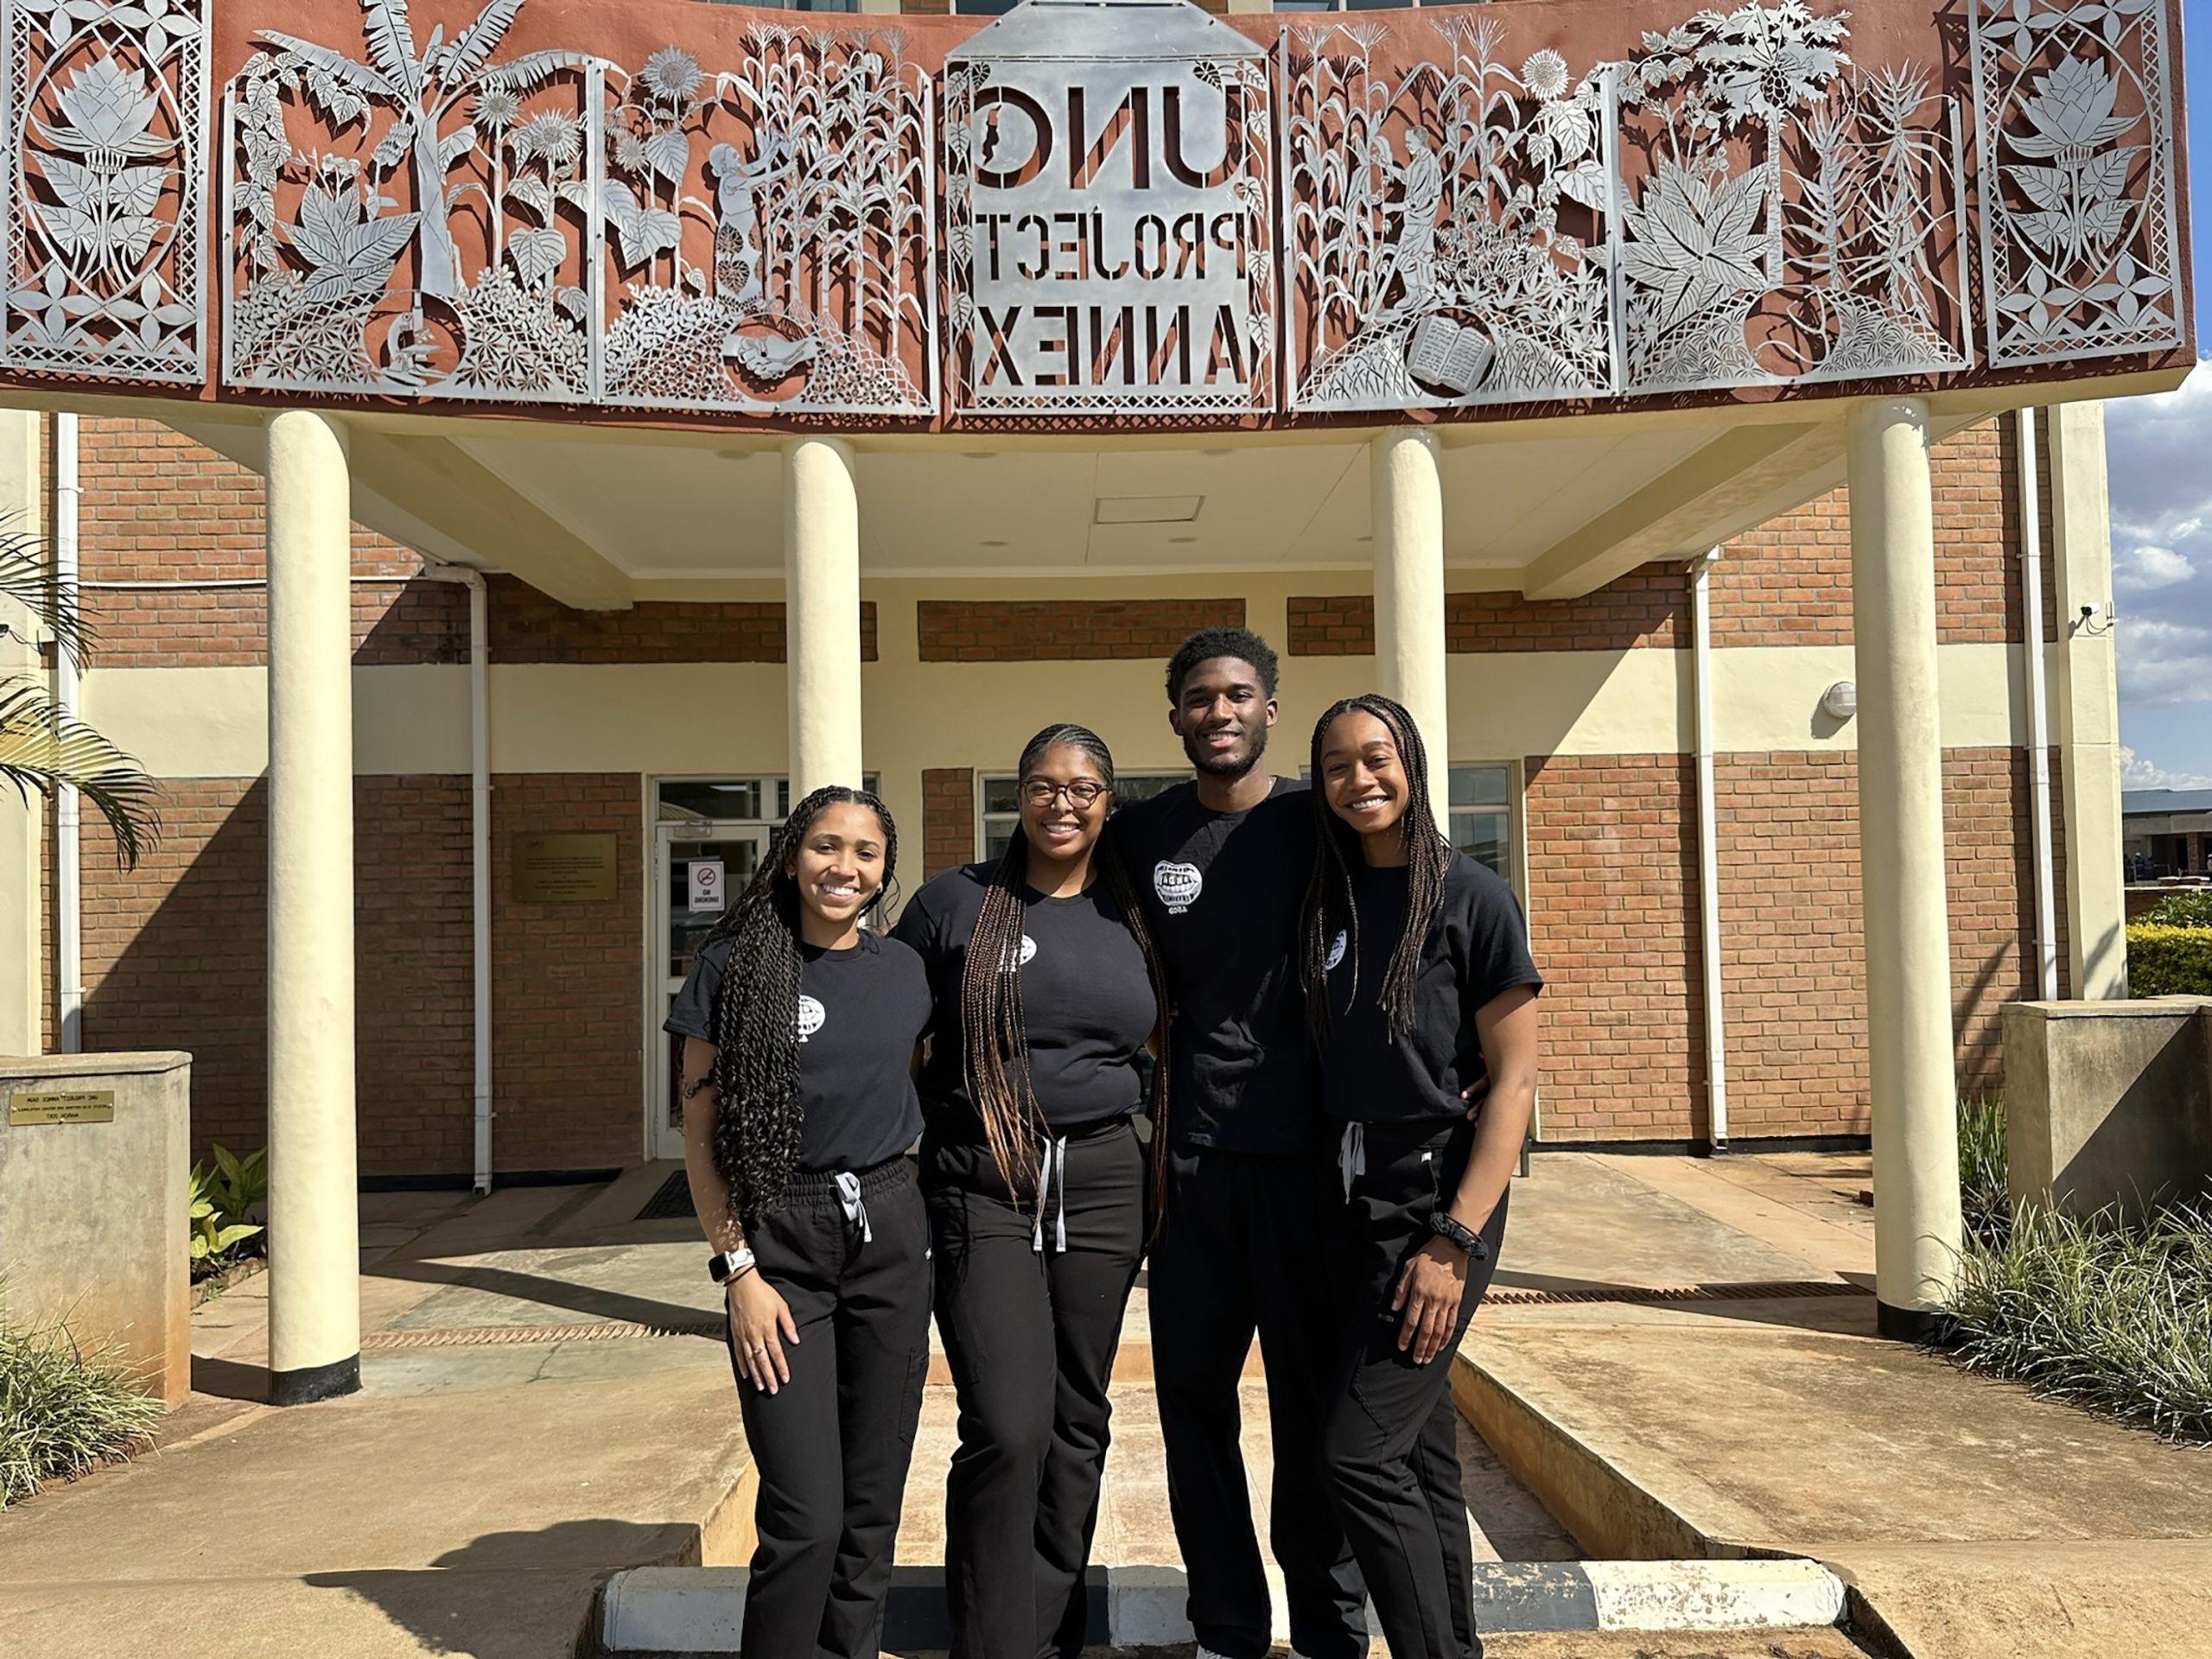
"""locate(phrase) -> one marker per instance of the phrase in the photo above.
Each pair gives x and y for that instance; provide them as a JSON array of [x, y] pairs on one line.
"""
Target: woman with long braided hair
[[1419, 986], [800, 1029], [1047, 992]]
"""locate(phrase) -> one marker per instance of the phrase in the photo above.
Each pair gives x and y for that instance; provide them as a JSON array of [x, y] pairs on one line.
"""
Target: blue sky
[[2161, 456]]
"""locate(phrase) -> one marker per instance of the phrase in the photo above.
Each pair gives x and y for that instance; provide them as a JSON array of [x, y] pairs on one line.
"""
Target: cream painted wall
[[706, 718]]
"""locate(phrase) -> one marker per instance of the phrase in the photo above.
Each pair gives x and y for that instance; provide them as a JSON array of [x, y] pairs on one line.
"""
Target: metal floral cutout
[[2080, 241], [1470, 271], [106, 104], [770, 229], [1794, 219], [349, 179]]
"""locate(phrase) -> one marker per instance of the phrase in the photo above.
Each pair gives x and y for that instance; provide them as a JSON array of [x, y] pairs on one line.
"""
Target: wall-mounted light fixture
[[1840, 701]]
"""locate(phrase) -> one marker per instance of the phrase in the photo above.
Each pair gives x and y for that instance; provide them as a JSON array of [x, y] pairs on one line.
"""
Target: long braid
[[1328, 889], [755, 1074]]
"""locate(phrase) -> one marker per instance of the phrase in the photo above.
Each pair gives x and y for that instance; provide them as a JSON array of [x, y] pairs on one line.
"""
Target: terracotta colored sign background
[[671, 211]]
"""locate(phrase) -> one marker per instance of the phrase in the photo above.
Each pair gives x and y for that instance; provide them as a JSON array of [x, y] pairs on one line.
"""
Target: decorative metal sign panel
[[106, 106], [2081, 236], [1108, 215], [1788, 220], [1444, 220], [768, 229]]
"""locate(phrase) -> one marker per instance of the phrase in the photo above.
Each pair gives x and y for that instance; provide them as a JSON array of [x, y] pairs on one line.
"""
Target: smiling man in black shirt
[[1222, 862]]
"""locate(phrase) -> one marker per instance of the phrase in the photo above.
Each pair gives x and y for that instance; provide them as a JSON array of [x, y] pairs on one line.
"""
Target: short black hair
[[1209, 643]]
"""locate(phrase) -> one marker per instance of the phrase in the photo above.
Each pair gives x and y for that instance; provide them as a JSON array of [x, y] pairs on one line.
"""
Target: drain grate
[[671, 1203], [1749, 1291]]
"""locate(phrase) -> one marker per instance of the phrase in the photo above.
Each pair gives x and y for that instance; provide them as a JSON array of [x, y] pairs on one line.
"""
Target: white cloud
[[2137, 772], [2165, 662], [2150, 566]]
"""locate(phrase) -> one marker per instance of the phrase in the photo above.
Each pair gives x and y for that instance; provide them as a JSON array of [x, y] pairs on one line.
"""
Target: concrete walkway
[[1973, 1518]]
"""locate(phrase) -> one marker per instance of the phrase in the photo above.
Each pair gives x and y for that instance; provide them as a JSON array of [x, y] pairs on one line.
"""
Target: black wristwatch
[[1445, 1227], [726, 1265]]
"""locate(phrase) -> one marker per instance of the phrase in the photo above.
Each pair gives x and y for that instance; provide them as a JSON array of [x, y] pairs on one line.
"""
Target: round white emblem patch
[[1336, 950], [811, 1014], [1178, 884], [1028, 951]]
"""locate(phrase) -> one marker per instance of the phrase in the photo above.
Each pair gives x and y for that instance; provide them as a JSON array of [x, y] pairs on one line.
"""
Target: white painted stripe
[[1713, 1595]]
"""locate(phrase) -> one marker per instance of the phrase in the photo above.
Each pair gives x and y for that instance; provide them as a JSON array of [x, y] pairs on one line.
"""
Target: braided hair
[[755, 1074], [991, 1023], [1329, 906]]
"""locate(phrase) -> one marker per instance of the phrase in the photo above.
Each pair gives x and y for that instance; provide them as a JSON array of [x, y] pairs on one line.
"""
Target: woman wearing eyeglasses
[[1045, 991]]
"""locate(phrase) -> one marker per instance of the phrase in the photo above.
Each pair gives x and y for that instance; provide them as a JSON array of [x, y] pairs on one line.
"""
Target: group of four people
[[1341, 1010]]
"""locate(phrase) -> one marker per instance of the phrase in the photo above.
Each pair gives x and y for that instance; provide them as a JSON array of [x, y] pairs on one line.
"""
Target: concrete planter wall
[[92, 1211]]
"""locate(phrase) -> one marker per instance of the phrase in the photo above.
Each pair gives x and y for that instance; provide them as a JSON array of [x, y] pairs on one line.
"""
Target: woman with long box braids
[[800, 1029], [1047, 992], [1419, 984]]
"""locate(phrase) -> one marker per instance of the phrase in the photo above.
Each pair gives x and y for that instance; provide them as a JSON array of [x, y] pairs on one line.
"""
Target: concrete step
[[699, 1611]]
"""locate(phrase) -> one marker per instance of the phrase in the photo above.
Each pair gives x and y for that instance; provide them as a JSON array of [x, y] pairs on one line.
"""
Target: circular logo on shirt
[[1336, 950], [811, 1014], [1178, 884], [1028, 951]]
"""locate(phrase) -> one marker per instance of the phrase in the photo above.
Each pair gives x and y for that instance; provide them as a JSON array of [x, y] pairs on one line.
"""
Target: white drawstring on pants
[[848, 1194], [1351, 1155], [1055, 1157]]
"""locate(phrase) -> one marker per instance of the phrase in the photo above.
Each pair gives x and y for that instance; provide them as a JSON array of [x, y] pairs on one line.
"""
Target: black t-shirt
[[1476, 948], [1087, 1003], [861, 1011], [1221, 892]]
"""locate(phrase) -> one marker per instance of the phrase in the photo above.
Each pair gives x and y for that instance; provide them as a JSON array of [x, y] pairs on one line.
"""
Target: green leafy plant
[[220, 1199], [63, 1410], [2189, 908], [1984, 1194], [2169, 961]]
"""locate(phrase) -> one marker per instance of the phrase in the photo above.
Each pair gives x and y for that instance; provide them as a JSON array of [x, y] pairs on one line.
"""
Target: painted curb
[[697, 1610]]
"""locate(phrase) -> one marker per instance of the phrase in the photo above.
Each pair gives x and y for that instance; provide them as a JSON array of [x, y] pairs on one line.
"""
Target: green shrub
[[2166, 961], [1983, 1195], [2192, 907], [220, 1200], [2106, 1313], [63, 1411]]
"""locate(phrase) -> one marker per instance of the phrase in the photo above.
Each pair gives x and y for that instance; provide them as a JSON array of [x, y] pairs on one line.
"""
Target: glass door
[[699, 866]]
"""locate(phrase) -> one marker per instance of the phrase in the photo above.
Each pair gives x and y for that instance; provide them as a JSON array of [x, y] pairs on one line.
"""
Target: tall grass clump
[[2106, 1313], [63, 1411], [1983, 1196]]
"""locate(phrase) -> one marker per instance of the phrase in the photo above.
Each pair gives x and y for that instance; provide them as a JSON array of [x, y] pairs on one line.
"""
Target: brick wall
[[176, 957], [565, 985], [527, 627], [1612, 916], [158, 507], [984, 631], [1648, 607], [948, 818]]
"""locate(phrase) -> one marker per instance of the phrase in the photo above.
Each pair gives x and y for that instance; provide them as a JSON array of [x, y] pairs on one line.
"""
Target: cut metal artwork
[[1790, 218], [412, 221], [2080, 236], [102, 208], [1469, 269], [770, 229], [1108, 215]]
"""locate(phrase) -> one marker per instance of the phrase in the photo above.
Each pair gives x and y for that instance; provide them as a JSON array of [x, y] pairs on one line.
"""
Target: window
[[1001, 811], [1482, 815], [733, 800]]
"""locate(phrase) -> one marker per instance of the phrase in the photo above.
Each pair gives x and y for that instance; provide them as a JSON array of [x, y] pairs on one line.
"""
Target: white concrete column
[[2087, 683], [1407, 508], [23, 917], [1908, 1039], [821, 613], [314, 1313]]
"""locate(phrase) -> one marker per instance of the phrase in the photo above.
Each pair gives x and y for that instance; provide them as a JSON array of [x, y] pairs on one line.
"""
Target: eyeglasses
[[1083, 794]]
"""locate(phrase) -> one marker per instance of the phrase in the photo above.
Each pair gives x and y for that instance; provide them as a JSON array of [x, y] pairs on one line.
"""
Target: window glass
[[1482, 815]]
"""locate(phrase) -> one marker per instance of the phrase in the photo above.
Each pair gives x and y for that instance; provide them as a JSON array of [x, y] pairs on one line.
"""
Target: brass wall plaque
[[72, 1106], [572, 869]]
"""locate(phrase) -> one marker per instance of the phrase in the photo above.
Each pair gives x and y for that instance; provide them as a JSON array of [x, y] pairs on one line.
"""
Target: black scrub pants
[[833, 1443], [1390, 1442], [1247, 1247], [1031, 1314]]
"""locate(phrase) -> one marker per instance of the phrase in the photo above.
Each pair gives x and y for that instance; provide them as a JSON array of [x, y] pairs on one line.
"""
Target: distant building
[[2167, 832]]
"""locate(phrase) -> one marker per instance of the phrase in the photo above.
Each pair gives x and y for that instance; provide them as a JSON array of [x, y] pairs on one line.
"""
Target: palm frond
[[40, 749], [27, 578], [358, 77], [389, 39], [479, 39]]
